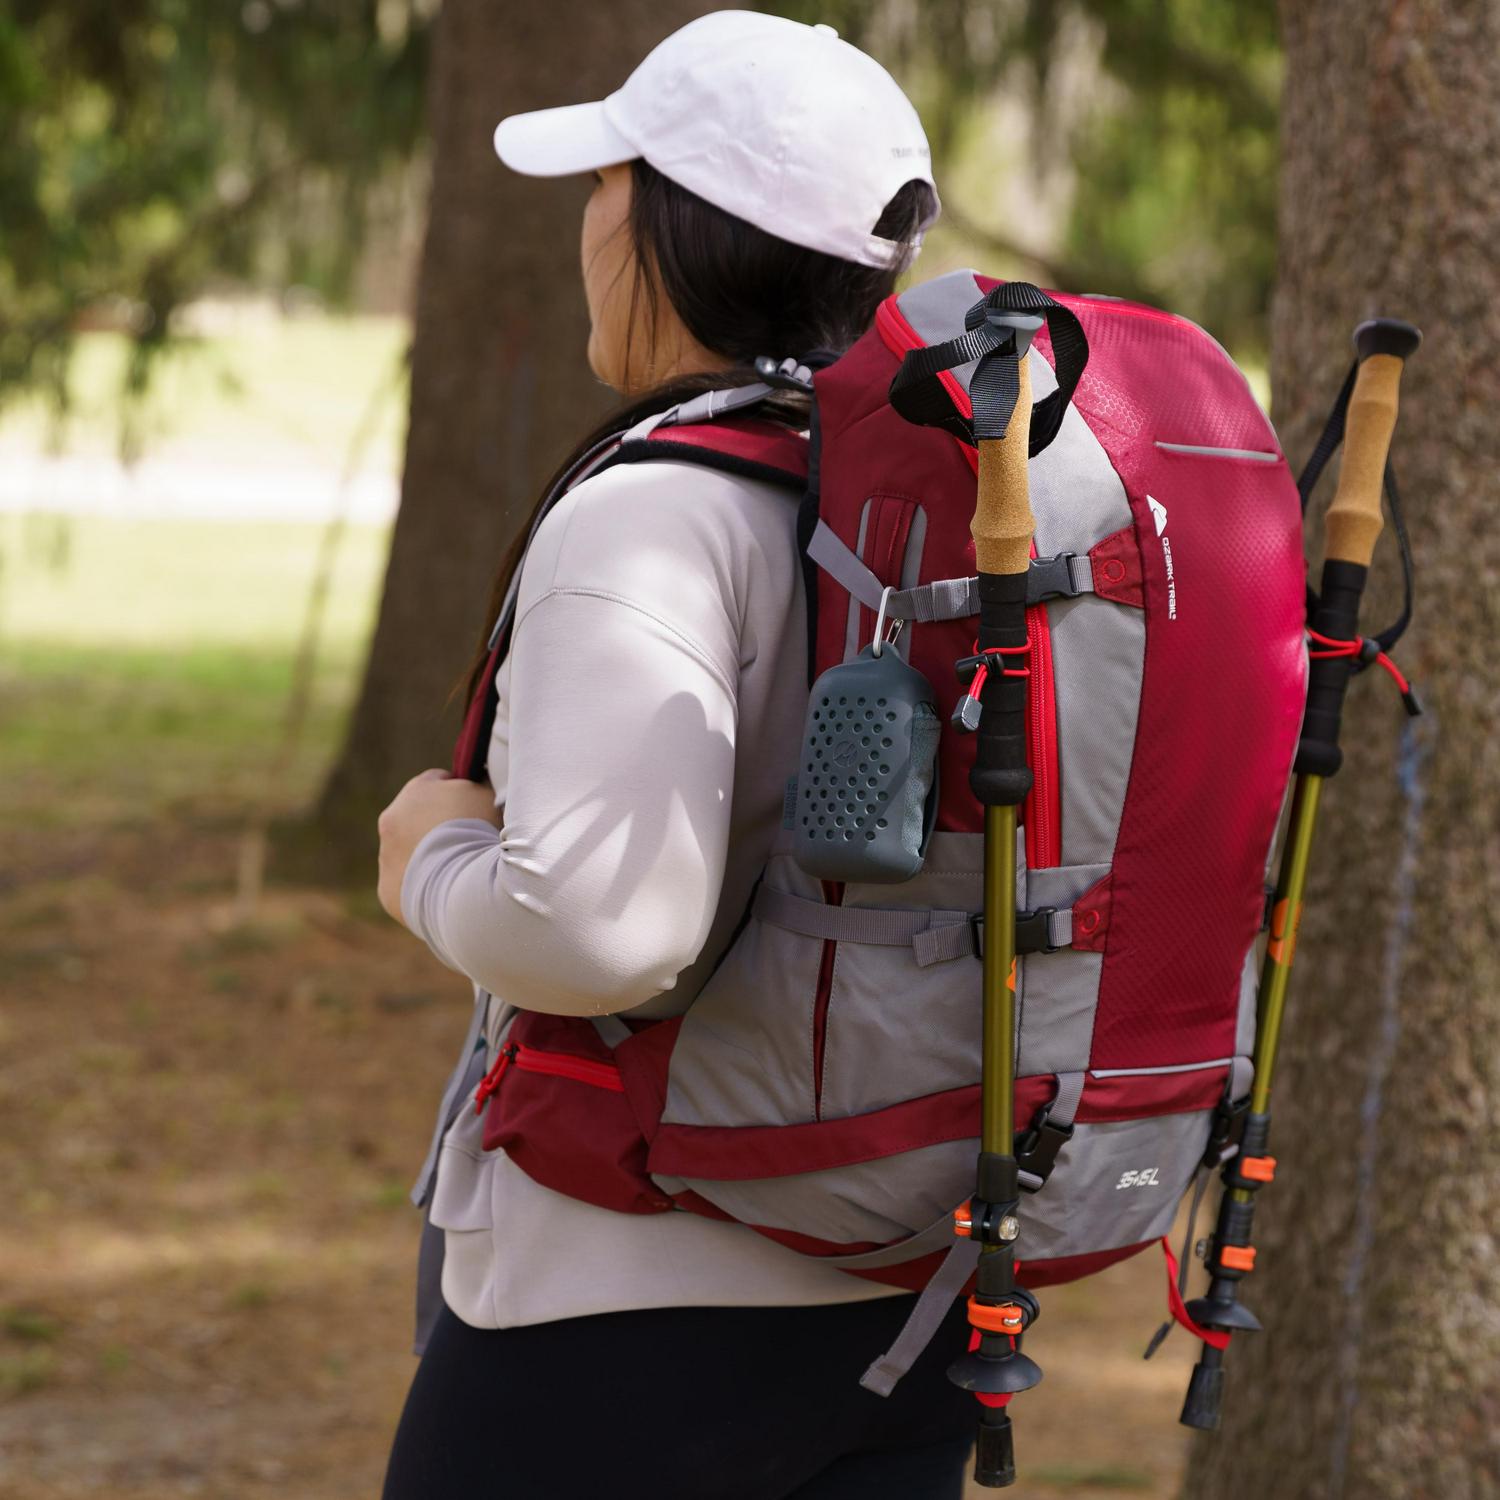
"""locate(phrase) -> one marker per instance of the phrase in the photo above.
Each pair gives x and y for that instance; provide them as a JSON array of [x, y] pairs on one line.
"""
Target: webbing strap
[[612, 1030], [1065, 1105], [884, 926], [925, 1318], [1062, 577], [919, 395], [1215, 1338], [934, 935]]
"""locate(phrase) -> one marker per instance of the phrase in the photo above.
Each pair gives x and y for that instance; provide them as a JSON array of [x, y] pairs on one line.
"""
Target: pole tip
[[995, 1452], [1205, 1395]]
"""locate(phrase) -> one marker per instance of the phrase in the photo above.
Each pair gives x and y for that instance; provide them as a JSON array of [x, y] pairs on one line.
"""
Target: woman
[[761, 185]]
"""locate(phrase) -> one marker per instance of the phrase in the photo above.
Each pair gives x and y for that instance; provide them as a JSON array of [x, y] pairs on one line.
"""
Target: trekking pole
[[1352, 527], [999, 1311], [1007, 429]]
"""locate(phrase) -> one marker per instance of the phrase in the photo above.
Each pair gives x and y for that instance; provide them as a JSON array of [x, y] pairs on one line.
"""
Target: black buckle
[[1227, 1128], [1032, 931], [1037, 1146], [1051, 578]]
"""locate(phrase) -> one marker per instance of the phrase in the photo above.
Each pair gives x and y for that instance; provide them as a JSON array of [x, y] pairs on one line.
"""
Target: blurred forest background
[[284, 354]]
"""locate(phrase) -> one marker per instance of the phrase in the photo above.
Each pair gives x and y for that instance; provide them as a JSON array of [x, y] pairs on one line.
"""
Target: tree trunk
[[500, 385], [1378, 1374]]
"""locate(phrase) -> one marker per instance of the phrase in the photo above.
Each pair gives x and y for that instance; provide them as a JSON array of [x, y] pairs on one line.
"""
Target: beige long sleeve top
[[650, 705]]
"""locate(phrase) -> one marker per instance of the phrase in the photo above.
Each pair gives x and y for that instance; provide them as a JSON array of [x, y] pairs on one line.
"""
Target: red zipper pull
[[490, 1083]]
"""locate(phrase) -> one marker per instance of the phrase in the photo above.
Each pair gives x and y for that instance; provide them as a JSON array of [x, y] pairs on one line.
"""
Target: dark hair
[[740, 292]]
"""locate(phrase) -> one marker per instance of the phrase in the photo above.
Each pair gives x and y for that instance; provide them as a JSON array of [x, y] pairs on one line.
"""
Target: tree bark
[[500, 385], [1378, 1279]]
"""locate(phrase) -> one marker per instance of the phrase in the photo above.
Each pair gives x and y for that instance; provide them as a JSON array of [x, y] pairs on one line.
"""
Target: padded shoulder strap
[[751, 446]]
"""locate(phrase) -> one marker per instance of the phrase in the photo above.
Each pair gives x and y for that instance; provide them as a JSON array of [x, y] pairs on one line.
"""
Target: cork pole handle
[[1354, 520], [1003, 522]]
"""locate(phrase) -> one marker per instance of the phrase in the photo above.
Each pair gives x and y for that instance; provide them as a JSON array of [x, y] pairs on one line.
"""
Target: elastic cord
[[1335, 648]]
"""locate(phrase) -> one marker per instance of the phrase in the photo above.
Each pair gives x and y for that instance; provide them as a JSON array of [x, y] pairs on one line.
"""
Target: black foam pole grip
[[1000, 776], [1337, 618]]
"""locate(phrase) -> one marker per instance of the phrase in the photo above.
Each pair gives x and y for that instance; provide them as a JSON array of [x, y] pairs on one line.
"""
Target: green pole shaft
[[998, 1103], [1276, 971]]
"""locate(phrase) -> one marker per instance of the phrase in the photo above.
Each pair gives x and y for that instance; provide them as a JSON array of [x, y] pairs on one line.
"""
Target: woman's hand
[[430, 798]]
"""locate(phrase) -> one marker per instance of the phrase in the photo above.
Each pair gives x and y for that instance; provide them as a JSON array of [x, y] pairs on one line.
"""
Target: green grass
[[188, 588], [297, 384], [146, 667], [145, 664]]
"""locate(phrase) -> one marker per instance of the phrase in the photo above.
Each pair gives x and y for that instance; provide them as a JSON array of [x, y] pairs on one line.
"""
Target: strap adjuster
[[1033, 932], [1226, 1129], [1037, 1147], [1052, 578]]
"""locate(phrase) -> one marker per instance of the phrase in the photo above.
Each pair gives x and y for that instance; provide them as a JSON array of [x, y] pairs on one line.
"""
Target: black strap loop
[[919, 395]]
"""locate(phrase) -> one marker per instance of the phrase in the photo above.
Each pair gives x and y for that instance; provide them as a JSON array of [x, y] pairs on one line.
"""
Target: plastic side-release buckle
[[1226, 1130], [1033, 932], [1052, 578], [1038, 1146]]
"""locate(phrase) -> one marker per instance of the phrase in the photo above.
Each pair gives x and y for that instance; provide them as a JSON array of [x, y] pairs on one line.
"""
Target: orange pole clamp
[[963, 1220], [997, 1317], [1238, 1257], [1258, 1168]]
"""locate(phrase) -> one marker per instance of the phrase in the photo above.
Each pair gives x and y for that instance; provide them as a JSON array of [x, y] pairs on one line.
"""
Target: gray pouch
[[866, 793]]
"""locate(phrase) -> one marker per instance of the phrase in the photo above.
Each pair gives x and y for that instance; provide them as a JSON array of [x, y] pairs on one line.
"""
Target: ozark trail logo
[[1159, 515], [1146, 1177]]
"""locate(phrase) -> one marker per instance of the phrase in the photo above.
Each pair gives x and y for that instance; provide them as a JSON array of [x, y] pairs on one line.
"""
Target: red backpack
[[823, 1086]]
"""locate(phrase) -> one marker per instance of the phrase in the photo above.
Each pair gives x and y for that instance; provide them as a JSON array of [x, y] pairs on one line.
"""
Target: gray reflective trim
[[926, 1317], [458, 1088], [1069, 1092], [1197, 1067], [1253, 454]]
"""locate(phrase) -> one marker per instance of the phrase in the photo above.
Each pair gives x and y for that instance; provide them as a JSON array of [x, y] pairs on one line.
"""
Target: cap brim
[[556, 142]]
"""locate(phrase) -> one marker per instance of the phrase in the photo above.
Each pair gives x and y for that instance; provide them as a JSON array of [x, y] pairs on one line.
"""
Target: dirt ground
[[206, 1252]]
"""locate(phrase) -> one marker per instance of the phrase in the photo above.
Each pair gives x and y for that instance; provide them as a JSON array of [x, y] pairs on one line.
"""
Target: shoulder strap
[[750, 446]]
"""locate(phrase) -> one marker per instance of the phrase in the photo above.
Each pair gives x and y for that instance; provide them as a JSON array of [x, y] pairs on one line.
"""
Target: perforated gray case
[[867, 784]]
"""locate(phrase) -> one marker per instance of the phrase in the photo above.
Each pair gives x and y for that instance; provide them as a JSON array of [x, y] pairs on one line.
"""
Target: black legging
[[683, 1403]]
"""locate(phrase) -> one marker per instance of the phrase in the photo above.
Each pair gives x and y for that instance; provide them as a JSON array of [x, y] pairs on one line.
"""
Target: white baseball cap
[[780, 124]]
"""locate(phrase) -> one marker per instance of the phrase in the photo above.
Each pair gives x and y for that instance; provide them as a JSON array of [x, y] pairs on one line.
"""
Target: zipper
[[1042, 813], [833, 894], [552, 1064]]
